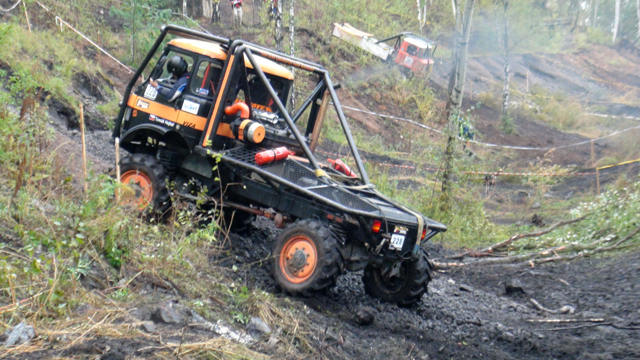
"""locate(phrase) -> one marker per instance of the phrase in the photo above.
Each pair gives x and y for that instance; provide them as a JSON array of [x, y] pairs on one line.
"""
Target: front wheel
[[404, 287], [147, 178], [306, 258]]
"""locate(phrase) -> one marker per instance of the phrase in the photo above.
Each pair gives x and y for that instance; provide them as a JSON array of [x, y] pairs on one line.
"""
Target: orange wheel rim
[[142, 188], [298, 259]]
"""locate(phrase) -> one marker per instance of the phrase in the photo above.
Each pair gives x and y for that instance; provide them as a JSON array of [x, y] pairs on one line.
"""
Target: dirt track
[[467, 313]]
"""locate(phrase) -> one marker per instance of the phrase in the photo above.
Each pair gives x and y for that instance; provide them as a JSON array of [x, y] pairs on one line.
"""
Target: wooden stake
[[26, 15], [117, 164], [598, 179], [593, 155], [84, 149]]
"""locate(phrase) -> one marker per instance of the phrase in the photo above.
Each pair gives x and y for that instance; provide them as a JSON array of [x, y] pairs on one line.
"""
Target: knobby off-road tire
[[306, 258], [147, 177], [407, 289]]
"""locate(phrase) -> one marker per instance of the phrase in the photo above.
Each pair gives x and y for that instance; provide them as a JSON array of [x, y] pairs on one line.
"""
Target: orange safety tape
[[622, 163]]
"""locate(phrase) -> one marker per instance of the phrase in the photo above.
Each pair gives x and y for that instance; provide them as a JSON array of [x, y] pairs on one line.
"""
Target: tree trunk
[[292, 46], [184, 7], [616, 22], [638, 11], [133, 31], [456, 92], [279, 35], [505, 63], [207, 9]]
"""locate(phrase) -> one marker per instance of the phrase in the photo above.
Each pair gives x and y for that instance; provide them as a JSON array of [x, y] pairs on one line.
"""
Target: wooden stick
[[563, 320], [575, 327], [84, 149], [26, 15], [593, 155], [598, 179], [117, 164]]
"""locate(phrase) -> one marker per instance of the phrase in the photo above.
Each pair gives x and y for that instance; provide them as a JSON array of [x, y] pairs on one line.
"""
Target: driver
[[177, 67]]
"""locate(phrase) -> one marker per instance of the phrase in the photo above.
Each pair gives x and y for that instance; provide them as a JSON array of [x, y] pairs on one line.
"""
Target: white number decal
[[150, 93], [396, 242]]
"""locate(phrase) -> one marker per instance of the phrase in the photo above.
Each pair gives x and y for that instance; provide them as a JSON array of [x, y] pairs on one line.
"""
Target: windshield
[[260, 98]]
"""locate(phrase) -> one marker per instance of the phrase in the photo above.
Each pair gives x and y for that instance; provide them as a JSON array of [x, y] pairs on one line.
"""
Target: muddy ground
[[466, 314]]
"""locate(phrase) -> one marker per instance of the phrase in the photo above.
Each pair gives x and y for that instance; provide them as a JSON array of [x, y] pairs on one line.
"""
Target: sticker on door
[[190, 107]]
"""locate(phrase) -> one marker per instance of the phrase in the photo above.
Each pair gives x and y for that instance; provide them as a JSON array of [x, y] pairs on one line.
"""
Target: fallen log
[[550, 254], [488, 250]]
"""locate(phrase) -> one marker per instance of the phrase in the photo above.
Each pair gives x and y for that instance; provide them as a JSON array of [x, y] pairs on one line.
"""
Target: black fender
[[176, 140]]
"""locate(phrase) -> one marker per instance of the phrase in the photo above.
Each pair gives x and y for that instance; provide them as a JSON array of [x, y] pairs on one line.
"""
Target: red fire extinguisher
[[340, 166], [271, 155]]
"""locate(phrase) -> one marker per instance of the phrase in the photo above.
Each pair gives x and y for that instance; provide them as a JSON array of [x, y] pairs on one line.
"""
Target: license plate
[[397, 241]]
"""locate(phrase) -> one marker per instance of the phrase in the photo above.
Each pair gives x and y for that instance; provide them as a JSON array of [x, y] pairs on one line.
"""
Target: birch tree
[[616, 21], [422, 14], [506, 121], [292, 50], [456, 91], [279, 35], [638, 11]]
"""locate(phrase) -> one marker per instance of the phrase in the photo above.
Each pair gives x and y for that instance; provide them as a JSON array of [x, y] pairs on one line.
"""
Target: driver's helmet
[[177, 66]]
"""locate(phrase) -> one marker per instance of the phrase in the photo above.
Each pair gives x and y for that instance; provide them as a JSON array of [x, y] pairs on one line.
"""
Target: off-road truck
[[234, 117]]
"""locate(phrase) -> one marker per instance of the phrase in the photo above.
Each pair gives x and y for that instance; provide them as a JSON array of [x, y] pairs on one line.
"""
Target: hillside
[[95, 279]]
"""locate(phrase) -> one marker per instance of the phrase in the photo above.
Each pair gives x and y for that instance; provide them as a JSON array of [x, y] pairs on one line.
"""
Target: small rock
[[168, 313], [514, 286], [149, 327], [451, 281], [257, 328], [536, 205], [20, 334], [75, 133], [365, 317], [465, 288]]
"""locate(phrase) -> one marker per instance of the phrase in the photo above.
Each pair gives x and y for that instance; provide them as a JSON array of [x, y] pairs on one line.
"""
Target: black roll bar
[[246, 51], [308, 102], [345, 129]]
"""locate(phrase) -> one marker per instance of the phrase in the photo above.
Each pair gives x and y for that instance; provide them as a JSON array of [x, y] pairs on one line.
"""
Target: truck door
[[148, 101], [197, 99]]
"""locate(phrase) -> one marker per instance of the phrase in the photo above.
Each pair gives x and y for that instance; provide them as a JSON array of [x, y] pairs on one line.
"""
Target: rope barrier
[[490, 144], [12, 7], [59, 21], [495, 173]]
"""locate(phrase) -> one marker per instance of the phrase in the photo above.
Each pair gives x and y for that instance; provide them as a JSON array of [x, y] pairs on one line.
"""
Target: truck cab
[[415, 54], [186, 116]]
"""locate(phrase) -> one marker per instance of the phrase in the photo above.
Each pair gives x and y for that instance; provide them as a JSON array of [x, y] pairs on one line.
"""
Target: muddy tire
[[306, 258], [147, 177], [404, 290]]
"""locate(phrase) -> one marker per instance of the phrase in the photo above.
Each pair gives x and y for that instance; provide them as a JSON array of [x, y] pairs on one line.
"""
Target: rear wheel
[[147, 178], [405, 288], [306, 258]]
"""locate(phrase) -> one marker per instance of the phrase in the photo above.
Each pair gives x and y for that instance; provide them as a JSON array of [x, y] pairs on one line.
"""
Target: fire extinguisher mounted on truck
[[334, 219]]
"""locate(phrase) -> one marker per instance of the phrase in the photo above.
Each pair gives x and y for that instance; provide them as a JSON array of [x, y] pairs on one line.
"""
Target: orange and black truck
[[231, 137]]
